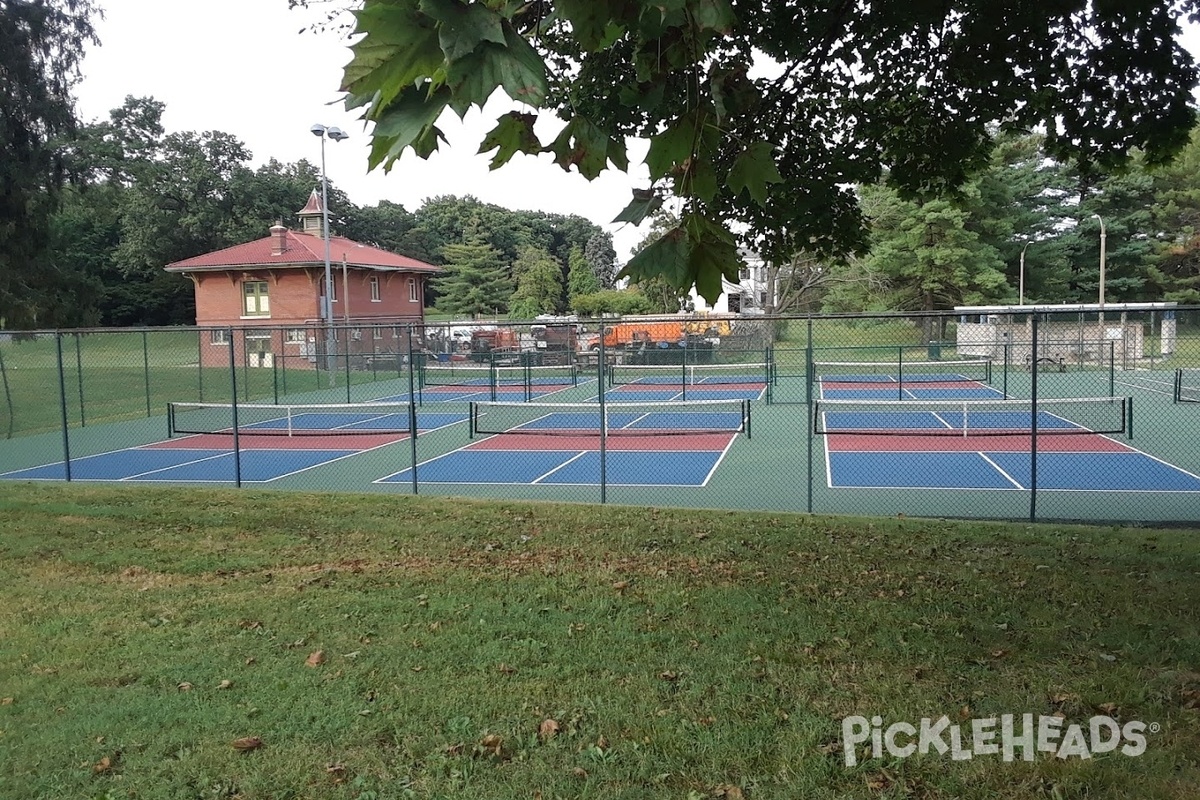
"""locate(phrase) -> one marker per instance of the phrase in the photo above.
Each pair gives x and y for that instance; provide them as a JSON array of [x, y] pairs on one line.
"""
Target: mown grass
[[680, 654]]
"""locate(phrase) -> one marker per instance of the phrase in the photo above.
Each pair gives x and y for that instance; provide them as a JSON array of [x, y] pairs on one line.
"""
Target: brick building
[[271, 291]]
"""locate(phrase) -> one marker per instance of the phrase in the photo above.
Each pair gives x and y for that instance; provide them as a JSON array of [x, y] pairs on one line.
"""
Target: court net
[[1187, 385], [1075, 415], [613, 419], [323, 419], [893, 372], [668, 375], [488, 376]]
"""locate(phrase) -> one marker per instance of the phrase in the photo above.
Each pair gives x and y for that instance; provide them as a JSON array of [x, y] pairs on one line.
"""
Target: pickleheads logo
[[991, 736]]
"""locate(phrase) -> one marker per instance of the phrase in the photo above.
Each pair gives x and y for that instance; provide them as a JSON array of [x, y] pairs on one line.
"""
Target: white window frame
[[374, 283], [218, 337], [412, 290], [376, 331], [295, 336]]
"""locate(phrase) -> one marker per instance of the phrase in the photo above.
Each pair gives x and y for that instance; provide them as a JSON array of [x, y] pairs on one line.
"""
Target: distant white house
[[748, 296]]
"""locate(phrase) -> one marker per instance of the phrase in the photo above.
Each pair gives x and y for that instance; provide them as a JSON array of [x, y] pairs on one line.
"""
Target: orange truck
[[638, 333]]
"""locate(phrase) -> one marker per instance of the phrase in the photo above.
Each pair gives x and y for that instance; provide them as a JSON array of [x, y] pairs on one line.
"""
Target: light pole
[[1021, 290], [1103, 242], [337, 134]]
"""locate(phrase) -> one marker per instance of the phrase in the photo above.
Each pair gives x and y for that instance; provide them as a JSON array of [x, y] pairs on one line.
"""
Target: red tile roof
[[303, 250]]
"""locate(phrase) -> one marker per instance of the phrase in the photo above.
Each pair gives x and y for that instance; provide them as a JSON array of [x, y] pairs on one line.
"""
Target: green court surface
[[744, 439]]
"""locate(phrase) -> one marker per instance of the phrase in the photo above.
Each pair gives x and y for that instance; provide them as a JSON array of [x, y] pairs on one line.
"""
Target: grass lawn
[[209, 644]]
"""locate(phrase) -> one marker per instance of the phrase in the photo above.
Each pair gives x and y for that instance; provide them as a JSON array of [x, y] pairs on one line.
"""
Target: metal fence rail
[[1041, 416]]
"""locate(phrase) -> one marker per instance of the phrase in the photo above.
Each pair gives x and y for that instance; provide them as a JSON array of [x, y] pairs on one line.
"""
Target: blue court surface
[[266, 452], [565, 468], [184, 465], [1129, 471], [893, 446]]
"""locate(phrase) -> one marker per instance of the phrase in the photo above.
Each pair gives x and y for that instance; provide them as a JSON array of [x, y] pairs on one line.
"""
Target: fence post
[[62, 401], [200, 363], [346, 361], [79, 373], [237, 455], [412, 413], [808, 380], [1033, 427], [146, 367], [8, 401], [603, 425]]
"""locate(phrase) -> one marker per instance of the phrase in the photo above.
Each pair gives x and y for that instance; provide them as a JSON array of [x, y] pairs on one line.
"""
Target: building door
[[258, 349]]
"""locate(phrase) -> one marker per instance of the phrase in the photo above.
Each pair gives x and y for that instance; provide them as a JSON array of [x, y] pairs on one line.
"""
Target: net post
[[746, 416], [170, 420], [811, 436], [237, 455], [62, 405], [528, 370], [1178, 389], [472, 410], [1128, 402], [900, 372], [492, 377], [684, 378], [275, 373]]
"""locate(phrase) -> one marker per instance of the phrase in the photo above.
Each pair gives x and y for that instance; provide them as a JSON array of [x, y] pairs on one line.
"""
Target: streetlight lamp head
[[337, 134], [319, 130]]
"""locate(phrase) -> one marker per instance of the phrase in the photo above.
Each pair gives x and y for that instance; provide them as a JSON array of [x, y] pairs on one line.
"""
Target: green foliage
[[475, 280], [580, 277], [612, 301], [772, 157], [41, 45], [539, 284]]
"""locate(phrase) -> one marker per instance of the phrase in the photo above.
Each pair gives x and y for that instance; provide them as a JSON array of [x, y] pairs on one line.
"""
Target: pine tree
[[475, 280]]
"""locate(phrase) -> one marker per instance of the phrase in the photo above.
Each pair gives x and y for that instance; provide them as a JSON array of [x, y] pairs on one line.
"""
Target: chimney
[[278, 238]]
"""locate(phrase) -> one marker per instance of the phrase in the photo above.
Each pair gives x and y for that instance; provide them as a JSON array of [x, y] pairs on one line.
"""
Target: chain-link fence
[[992, 414]]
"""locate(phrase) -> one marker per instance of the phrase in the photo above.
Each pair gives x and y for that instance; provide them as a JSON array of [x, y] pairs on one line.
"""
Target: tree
[[581, 279], [602, 257], [475, 280], [611, 301], [539, 284], [773, 153], [41, 44]]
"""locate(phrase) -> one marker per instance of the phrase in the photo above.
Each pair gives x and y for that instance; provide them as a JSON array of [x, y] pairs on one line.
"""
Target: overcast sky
[[242, 67]]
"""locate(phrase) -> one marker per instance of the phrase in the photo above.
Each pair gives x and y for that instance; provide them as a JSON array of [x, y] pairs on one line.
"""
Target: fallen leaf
[[1108, 709], [727, 792], [250, 660], [6, 701], [602, 742], [999, 653], [184, 687], [247, 743], [225, 684], [506, 669], [579, 772], [621, 586], [103, 766], [547, 729], [315, 658], [1108, 657], [335, 769], [669, 675]]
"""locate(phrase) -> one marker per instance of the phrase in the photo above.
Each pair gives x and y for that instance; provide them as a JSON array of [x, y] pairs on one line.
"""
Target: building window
[[375, 290], [254, 299], [412, 290], [735, 304], [218, 337], [762, 299], [332, 290], [743, 274], [295, 335], [377, 332]]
